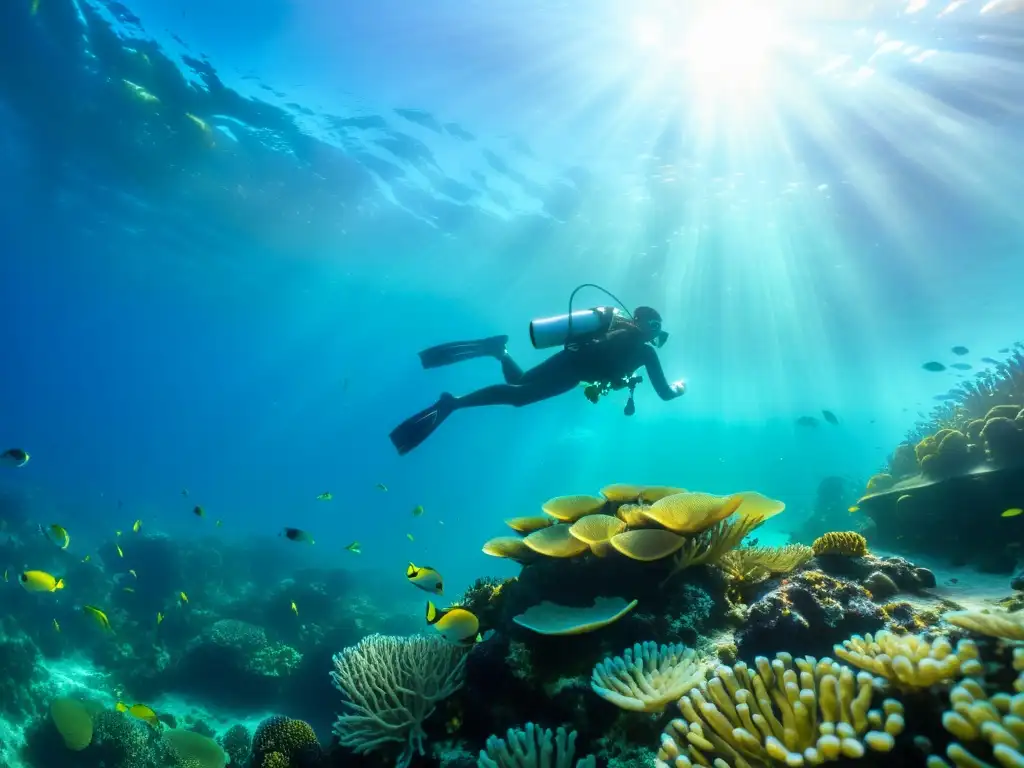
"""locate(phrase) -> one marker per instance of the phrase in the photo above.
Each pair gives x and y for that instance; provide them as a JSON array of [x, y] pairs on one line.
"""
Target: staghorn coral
[[909, 662], [1007, 626], [846, 543], [647, 677], [532, 747], [391, 685], [785, 711], [754, 564]]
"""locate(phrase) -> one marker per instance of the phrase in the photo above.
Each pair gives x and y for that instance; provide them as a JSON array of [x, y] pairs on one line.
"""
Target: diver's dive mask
[[660, 336]]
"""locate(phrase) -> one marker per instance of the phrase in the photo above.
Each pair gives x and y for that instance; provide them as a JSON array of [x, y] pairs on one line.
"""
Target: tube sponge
[[647, 677], [909, 661], [785, 711], [391, 685], [532, 747]]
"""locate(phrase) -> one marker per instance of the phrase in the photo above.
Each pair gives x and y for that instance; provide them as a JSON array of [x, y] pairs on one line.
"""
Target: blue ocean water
[[226, 233]]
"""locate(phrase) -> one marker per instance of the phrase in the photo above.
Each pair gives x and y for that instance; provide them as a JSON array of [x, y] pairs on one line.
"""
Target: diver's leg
[[414, 430], [510, 369], [516, 395]]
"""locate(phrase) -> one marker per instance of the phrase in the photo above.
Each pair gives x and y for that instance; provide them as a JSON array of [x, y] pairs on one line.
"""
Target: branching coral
[[647, 677], [794, 712], [1008, 626], [847, 543], [391, 685], [533, 747], [753, 564], [708, 547], [909, 661]]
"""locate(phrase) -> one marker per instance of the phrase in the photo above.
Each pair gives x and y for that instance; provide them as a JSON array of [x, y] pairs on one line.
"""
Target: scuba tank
[[571, 328]]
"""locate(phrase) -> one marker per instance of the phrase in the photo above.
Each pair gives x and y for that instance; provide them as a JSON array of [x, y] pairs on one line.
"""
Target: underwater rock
[[806, 614], [1017, 582], [880, 585]]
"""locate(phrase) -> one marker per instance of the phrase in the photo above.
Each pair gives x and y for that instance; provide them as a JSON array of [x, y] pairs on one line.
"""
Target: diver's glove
[[678, 387]]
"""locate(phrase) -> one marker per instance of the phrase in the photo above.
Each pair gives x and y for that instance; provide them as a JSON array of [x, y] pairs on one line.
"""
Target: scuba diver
[[602, 348]]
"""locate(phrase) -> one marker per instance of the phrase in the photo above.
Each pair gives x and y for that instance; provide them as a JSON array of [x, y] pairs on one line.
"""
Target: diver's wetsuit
[[610, 359]]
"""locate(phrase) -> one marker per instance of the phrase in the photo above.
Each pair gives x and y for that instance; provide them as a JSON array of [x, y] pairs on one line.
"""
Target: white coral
[[392, 684], [533, 747], [646, 678]]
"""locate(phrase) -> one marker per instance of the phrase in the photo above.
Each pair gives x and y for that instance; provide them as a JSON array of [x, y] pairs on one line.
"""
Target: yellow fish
[[133, 573], [128, 589], [137, 526], [98, 616], [56, 625], [59, 536], [1013, 512], [140, 712], [295, 608], [417, 510], [354, 548], [325, 496], [159, 618], [456, 625], [184, 597], [40, 581], [381, 486], [425, 578], [5, 576], [409, 537], [853, 509], [117, 533], [120, 551]]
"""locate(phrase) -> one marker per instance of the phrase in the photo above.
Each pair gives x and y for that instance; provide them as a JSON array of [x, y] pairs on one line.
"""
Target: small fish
[[440, 522], [198, 511], [853, 509], [184, 492], [117, 534], [128, 589], [56, 625], [87, 558], [297, 534], [903, 498], [5, 576], [159, 618], [1003, 351], [425, 578], [140, 712], [295, 608], [961, 366], [831, 418], [183, 596], [217, 524], [58, 536], [381, 487], [120, 552], [325, 496], [960, 350], [40, 581], [417, 510], [409, 537], [133, 573], [354, 548], [1013, 512], [990, 361], [807, 421], [15, 457], [35, 7], [137, 526], [934, 367], [456, 625], [98, 616]]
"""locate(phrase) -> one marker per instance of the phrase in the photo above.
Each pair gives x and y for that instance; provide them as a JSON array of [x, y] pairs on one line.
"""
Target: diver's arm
[[657, 378]]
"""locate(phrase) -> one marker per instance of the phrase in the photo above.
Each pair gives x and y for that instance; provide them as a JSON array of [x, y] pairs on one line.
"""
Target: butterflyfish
[[40, 581], [183, 596], [456, 625], [1012, 512], [426, 579], [98, 616], [140, 712], [297, 534], [58, 535], [853, 509], [417, 510]]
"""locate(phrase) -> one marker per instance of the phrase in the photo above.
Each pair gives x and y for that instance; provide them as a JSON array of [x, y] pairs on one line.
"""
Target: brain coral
[[292, 739]]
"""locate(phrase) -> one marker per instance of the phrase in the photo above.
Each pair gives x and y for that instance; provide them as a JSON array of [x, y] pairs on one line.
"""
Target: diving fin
[[457, 351], [414, 430]]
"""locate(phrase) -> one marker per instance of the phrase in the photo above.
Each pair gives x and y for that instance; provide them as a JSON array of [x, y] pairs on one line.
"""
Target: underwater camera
[[582, 325], [594, 392]]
